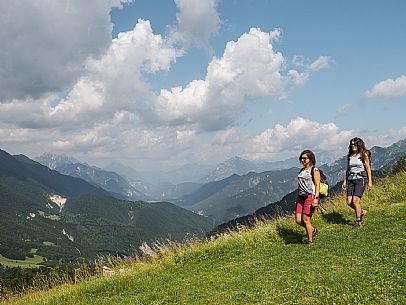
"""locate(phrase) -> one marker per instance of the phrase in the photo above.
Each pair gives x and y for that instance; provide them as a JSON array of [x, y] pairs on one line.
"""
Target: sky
[[157, 84]]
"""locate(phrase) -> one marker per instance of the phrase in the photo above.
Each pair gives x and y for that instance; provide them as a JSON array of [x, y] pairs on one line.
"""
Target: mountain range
[[237, 196], [288, 202], [58, 216], [240, 166], [185, 173], [110, 181], [246, 188], [125, 182]]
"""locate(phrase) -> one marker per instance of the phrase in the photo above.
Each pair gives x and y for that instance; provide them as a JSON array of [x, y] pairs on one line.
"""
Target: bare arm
[[368, 169], [344, 186], [317, 188]]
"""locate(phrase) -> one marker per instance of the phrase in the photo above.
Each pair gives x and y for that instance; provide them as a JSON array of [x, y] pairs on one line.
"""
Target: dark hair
[[361, 148], [310, 154]]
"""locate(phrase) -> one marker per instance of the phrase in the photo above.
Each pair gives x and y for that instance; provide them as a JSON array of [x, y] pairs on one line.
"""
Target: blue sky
[[159, 84]]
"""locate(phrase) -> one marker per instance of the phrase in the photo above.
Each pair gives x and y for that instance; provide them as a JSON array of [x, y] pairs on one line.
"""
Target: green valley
[[68, 219]]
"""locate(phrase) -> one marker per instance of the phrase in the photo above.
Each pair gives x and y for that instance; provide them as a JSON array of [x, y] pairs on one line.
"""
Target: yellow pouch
[[323, 189]]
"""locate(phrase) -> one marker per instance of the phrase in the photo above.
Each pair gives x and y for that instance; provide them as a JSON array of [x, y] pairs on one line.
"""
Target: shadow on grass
[[336, 218], [289, 235]]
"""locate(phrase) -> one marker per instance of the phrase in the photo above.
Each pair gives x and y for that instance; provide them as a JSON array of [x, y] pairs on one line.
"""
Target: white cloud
[[109, 138], [111, 107], [344, 109], [115, 81], [229, 136], [104, 107], [29, 113], [386, 139], [298, 61], [298, 135], [111, 83], [197, 21], [185, 135], [249, 69], [388, 88], [45, 43], [299, 79], [9, 134], [323, 62]]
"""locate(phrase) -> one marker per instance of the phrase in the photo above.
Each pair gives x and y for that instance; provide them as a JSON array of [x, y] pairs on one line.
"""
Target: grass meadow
[[268, 264], [29, 262]]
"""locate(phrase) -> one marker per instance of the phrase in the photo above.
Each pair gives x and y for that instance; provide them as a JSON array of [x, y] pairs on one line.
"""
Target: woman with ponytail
[[358, 175]]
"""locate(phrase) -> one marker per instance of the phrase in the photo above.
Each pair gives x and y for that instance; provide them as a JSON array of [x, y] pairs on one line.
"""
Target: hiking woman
[[358, 174], [308, 194]]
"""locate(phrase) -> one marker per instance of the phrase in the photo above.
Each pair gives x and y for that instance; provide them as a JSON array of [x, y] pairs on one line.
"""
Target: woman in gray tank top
[[357, 176], [308, 194]]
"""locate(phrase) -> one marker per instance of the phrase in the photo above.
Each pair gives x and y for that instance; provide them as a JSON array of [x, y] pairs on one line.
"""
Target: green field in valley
[[29, 262]]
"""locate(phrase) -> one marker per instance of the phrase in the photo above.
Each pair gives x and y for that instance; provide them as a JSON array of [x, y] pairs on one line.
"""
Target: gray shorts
[[356, 187]]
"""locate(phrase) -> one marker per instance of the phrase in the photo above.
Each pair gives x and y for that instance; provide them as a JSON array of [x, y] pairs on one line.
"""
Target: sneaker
[[309, 243], [363, 213], [357, 224], [315, 232]]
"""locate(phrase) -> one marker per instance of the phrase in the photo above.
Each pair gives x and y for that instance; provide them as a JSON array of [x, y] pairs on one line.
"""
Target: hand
[[315, 202], [344, 186], [370, 185]]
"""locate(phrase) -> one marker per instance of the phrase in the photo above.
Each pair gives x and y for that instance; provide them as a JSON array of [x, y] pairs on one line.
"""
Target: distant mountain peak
[[53, 161], [234, 165]]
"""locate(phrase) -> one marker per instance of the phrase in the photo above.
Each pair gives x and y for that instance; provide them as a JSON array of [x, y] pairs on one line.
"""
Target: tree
[[399, 166]]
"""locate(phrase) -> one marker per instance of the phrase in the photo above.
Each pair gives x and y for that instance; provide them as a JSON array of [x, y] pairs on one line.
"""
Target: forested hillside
[[53, 217]]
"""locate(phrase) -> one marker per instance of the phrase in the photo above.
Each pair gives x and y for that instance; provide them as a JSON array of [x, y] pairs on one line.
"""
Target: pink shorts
[[304, 205]]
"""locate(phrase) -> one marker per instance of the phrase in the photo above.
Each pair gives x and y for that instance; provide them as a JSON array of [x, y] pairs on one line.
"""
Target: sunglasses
[[355, 144], [304, 158]]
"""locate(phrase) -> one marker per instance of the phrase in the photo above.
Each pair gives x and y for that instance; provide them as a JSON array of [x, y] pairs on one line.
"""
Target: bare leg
[[357, 206], [308, 226], [350, 201], [299, 220]]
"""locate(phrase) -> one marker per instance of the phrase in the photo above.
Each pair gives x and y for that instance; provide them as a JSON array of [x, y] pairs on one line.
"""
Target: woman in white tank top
[[308, 194], [357, 176]]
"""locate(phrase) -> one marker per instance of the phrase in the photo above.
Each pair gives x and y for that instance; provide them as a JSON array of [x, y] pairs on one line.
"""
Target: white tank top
[[305, 182], [356, 167]]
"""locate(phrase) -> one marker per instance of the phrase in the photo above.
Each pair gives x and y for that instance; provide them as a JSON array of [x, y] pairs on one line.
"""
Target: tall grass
[[267, 264]]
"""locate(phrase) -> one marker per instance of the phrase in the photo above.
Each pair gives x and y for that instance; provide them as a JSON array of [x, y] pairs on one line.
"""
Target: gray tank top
[[305, 182], [356, 168]]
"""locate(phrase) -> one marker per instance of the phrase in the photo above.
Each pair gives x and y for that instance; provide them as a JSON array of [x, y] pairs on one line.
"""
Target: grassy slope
[[270, 265]]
